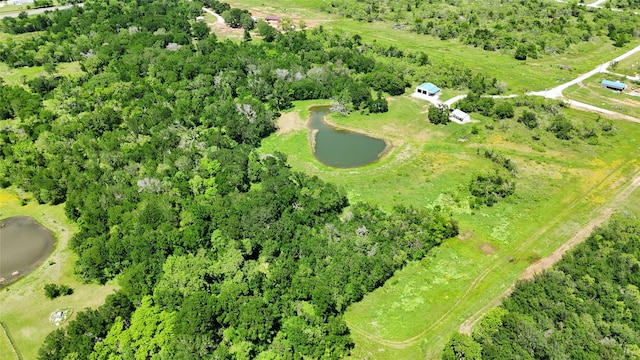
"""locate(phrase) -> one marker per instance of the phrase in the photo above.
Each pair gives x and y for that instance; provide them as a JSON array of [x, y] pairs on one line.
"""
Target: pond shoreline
[[313, 133], [26, 245]]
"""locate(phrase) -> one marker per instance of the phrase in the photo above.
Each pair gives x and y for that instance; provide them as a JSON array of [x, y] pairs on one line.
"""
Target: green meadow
[[561, 186], [24, 309], [628, 66], [18, 76]]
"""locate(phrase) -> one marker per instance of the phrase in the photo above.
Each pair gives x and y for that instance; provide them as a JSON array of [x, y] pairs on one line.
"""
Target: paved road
[[218, 17], [39, 11]]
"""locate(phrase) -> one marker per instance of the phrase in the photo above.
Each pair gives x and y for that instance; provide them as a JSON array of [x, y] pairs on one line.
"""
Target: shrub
[[52, 291], [489, 188]]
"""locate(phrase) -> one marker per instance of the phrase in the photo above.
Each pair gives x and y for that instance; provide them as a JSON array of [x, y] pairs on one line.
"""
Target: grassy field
[[23, 306], [629, 66], [560, 187], [12, 8], [20, 75], [590, 92], [520, 76], [6, 349]]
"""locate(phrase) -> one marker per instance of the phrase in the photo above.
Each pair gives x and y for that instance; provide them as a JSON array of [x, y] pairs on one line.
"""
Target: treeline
[[219, 251], [622, 4], [585, 307], [527, 28], [537, 115]]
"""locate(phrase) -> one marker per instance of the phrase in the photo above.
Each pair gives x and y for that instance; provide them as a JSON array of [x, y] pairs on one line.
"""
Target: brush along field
[[519, 76]]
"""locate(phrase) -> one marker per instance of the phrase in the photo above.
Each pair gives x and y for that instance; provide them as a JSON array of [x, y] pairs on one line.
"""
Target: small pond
[[341, 148], [24, 244]]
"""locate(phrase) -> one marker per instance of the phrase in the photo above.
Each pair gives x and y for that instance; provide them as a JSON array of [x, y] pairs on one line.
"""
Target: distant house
[[459, 116], [427, 89], [613, 85], [272, 19]]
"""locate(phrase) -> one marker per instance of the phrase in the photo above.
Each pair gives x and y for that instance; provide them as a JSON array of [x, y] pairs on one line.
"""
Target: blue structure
[[427, 89], [613, 85]]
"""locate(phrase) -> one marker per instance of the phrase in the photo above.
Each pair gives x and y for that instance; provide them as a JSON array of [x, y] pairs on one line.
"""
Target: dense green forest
[[220, 252], [586, 307], [525, 28]]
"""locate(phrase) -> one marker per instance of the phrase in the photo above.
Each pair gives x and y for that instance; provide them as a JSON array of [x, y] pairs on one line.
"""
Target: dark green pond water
[[24, 244], [341, 148]]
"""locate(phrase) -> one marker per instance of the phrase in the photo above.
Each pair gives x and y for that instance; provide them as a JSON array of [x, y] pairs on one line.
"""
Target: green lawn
[[628, 66], [590, 92], [23, 306], [560, 187], [6, 349], [18, 76]]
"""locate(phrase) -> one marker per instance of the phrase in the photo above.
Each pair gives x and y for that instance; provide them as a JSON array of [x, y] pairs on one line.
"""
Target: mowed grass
[[520, 76], [591, 93], [6, 349], [18, 76], [23, 306], [560, 187]]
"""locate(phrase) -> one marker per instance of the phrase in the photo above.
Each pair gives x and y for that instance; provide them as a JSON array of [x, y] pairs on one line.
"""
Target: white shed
[[459, 116]]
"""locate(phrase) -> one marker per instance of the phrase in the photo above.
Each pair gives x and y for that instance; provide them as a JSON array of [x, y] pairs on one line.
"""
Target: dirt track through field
[[603, 214]]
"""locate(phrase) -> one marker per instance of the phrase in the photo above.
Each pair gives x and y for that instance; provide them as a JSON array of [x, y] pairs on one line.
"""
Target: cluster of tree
[[586, 307], [18, 103], [488, 189], [526, 28], [224, 252], [487, 106], [237, 18], [25, 24], [536, 113], [52, 291], [217, 6], [623, 4], [501, 160]]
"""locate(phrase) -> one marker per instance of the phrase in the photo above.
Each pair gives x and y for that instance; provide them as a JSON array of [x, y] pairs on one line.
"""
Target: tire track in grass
[[547, 262], [605, 211]]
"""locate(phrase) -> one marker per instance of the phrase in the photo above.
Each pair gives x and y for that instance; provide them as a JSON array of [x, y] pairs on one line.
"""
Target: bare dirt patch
[[487, 248], [289, 122]]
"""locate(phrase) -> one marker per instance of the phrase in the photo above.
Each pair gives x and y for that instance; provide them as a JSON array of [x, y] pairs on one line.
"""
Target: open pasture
[[561, 186]]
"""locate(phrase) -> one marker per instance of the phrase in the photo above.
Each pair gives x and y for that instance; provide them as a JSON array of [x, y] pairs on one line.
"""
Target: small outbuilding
[[613, 85], [428, 89], [459, 116], [272, 19]]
